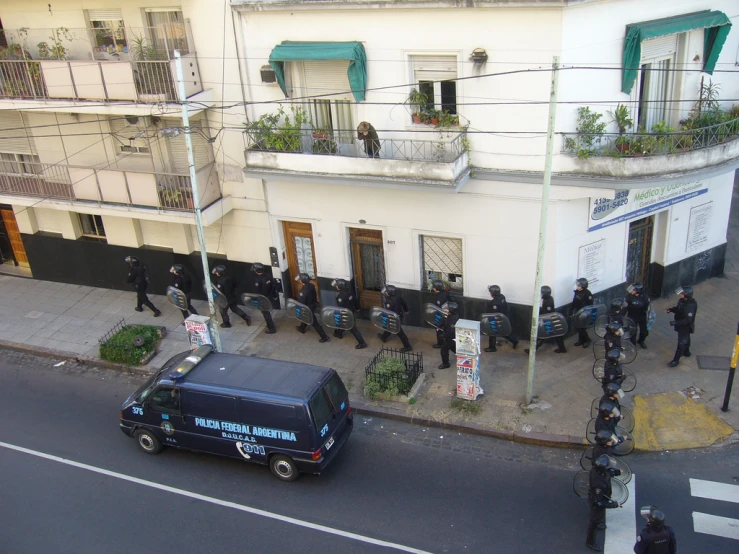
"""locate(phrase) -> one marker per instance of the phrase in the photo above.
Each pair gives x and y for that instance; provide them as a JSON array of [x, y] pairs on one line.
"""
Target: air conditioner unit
[[268, 74]]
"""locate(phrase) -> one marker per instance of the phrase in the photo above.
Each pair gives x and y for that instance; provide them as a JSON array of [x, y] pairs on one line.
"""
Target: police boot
[[590, 541], [270, 331], [338, 334], [247, 319], [361, 345]]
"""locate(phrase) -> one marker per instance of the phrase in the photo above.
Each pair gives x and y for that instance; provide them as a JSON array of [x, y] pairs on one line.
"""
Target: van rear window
[[328, 401], [321, 409]]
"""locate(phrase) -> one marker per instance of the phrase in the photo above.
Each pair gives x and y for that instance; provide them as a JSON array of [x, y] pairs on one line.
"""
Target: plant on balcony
[[151, 78], [417, 100], [20, 79], [57, 51], [324, 146], [278, 131], [622, 119], [448, 120], [590, 130]]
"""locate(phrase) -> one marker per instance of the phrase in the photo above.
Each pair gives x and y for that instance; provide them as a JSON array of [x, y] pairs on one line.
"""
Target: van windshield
[[329, 400]]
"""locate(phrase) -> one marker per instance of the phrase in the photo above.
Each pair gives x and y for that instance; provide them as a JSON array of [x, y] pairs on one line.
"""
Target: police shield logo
[[586, 317], [552, 325], [335, 317], [434, 316], [495, 325], [299, 311], [218, 298], [177, 297], [386, 320], [256, 302]]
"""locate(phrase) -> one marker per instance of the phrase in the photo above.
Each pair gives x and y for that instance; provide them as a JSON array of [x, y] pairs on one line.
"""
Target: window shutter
[[104, 15], [326, 77], [47, 220], [434, 68], [659, 47], [178, 148], [14, 137]]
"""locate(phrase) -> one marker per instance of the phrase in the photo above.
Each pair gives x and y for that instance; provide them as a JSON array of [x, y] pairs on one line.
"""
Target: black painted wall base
[[690, 271]]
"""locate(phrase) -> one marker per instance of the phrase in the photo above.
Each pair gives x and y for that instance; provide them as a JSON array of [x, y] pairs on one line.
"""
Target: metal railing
[[154, 81], [649, 144], [346, 145], [22, 79], [35, 179]]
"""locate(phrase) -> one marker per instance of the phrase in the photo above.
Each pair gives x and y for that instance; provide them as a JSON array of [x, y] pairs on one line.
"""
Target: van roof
[[257, 374]]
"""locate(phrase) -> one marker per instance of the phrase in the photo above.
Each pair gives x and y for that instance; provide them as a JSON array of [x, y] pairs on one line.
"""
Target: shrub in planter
[[123, 348]]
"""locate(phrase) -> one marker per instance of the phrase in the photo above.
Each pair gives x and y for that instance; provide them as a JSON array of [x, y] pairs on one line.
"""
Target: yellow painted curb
[[671, 421]]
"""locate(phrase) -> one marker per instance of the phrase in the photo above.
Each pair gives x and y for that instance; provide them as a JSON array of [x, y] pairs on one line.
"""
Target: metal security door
[[639, 253], [368, 259]]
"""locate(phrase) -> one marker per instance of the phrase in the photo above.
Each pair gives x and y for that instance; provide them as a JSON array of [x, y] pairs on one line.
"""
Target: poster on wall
[[637, 203], [592, 262], [699, 226]]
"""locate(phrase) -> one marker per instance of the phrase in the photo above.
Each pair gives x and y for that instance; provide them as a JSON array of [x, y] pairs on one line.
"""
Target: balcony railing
[[166, 191], [649, 144]]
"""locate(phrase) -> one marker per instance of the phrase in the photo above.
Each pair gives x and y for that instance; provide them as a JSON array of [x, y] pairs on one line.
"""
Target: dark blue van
[[292, 417]]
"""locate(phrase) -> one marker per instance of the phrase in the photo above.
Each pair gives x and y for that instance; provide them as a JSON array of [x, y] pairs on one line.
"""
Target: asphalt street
[[418, 488]]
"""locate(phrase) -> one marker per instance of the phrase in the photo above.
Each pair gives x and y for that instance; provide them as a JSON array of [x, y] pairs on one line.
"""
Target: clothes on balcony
[[367, 133]]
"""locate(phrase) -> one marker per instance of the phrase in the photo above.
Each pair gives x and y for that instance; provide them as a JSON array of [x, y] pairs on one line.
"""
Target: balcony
[[135, 65], [302, 153], [150, 195]]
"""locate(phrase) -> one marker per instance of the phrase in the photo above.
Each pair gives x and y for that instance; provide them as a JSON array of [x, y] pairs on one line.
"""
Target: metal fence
[[441, 259], [649, 144], [402, 380], [175, 192]]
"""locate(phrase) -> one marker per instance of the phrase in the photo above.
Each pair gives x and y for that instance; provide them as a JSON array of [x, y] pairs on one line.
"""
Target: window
[[108, 33], [92, 226], [215, 406], [167, 30], [165, 399], [336, 391], [262, 414], [331, 115], [436, 76], [320, 407], [131, 138], [19, 164], [655, 81], [441, 258]]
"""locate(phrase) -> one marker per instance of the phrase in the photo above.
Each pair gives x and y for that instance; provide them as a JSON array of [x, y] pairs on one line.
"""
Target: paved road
[[393, 482]]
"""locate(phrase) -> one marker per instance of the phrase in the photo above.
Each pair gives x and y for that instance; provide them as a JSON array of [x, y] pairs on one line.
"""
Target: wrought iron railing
[[649, 144], [35, 179], [154, 81], [22, 79]]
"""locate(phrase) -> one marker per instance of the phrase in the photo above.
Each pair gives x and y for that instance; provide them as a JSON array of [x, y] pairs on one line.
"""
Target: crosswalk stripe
[[621, 532], [716, 525], [714, 490]]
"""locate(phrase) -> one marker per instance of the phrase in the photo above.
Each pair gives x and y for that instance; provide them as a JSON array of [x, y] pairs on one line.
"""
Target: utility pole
[[196, 197], [732, 370], [543, 220]]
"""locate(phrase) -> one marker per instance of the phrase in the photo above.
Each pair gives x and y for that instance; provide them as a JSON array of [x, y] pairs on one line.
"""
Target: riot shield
[[299, 311], [256, 302], [495, 325], [625, 441], [337, 318], [626, 322], [651, 316], [177, 297], [627, 418], [581, 484], [628, 351], [627, 385], [552, 325], [385, 319], [218, 298], [586, 462], [434, 316], [585, 317]]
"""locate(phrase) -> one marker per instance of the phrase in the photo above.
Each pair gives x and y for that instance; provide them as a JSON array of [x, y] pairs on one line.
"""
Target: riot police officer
[[599, 497], [308, 296], [449, 332], [441, 297], [684, 323], [547, 307], [498, 305], [604, 443], [612, 371], [138, 278], [638, 308], [656, 537], [612, 338], [392, 301], [345, 299], [181, 280], [606, 419], [610, 394], [264, 285], [618, 309], [225, 285], [583, 297]]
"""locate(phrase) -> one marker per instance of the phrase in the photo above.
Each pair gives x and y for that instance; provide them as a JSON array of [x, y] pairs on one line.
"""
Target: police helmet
[[389, 290], [303, 278], [257, 267], [546, 291], [494, 290], [615, 327], [601, 462], [687, 291], [452, 307], [177, 269], [582, 283], [619, 304], [437, 285], [636, 288], [603, 437], [219, 270], [606, 408], [133, 260], [339, 284], [613, 355], [612, 388], [654, 516]]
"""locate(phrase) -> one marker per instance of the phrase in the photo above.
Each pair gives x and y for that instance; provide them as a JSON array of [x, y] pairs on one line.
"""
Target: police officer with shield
[[656, 537], [604, 444], [266, 287], [308, 296], [449, 332], [225, 285], [547, 307], [684, 323], [498, 305], [612, 338], [181, 280], [638, 308], [599, 496], [613, 373], [441, 297], [395, 303], [583, 297], [345, 299], [138, 278]]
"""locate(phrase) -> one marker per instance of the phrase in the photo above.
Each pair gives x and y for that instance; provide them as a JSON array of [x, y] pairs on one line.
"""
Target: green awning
[[716, 24], [289, 51]]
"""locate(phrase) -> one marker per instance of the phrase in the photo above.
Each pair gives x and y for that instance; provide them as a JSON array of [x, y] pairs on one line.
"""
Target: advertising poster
[[699, 227]]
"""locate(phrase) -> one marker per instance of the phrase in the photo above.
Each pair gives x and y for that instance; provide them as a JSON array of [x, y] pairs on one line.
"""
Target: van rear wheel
[[148, 442], [283, 468]]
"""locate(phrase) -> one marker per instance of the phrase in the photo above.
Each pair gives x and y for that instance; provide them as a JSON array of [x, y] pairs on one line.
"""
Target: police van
[[292, 417]]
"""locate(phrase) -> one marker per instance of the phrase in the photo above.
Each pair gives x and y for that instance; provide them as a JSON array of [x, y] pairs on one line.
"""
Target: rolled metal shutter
[[14, 137], [659, 47]]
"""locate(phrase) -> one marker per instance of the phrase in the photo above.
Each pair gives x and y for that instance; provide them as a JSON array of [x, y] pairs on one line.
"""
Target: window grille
[[441, 259]]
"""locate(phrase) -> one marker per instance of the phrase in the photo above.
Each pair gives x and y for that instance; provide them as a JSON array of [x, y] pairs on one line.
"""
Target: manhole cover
[[714, 362]]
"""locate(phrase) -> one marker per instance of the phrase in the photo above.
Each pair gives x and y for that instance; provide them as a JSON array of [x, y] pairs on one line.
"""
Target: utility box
[[467, 335], [199, 331]]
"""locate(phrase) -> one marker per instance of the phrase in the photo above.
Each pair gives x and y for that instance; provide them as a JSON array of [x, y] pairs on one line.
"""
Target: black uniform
[[395, 304], [137, 277], [684, 325], [614, 401], [184, 283], [449, 344], [345, 299], [612, 341], [656, 541], [599, 450], [613, 373], [442, 298], [307, 296], [638, 310], [264, 285], [581, 299], [226, 286], [599, 497], [547, 307], [603, 424], [498, 305]]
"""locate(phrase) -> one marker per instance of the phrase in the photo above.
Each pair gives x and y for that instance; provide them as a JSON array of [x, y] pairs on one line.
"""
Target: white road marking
[[716, 525], [714, 490], [621, 532], [212, 500]]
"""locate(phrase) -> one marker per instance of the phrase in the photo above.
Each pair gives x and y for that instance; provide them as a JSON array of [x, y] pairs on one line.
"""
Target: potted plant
[[153, 78], [320, 134], [434, 115], [623, 121], [448, 120], [57, 51], [172, 198], [417, 100]]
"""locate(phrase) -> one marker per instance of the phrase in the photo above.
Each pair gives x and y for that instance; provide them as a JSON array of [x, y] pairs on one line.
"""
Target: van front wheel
[[283, 468], [148, 442]]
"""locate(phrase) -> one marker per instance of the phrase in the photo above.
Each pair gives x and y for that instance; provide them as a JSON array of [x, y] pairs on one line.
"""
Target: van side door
[[164, 415], [210, 420]]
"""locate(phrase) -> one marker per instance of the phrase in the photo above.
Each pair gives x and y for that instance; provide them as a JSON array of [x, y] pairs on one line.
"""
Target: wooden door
[[368, 259], [14, 236], [301, 257], [639, 252]]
